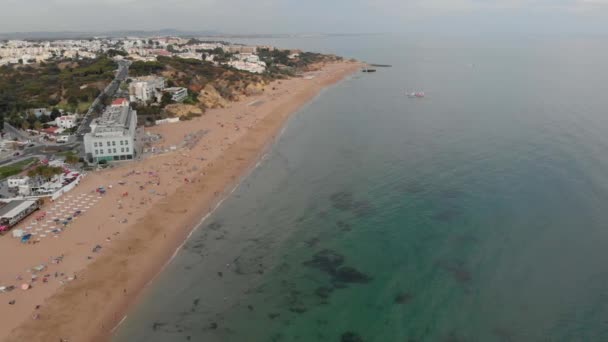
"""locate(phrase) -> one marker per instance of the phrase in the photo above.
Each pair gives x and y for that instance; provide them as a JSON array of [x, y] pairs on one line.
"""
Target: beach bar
[[13, 212]]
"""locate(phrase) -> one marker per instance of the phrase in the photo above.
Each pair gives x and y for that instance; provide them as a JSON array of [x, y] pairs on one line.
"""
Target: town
[[76, 106]]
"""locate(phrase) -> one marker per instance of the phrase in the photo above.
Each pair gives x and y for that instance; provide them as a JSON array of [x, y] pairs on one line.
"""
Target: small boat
[[417, 94], [368, 70]]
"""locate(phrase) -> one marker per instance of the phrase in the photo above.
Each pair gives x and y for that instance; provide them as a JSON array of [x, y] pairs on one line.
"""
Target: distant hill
[[56, 35], [42, 35]]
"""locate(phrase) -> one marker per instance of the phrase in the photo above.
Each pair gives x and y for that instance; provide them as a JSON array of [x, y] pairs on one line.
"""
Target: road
[[14, 132], [48, 149], [108, 92]]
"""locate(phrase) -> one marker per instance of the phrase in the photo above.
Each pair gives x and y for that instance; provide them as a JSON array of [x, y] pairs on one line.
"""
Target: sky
[[307, 16]]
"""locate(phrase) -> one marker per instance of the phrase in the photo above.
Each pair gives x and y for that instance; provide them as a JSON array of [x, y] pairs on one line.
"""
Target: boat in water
[[368, 70], [416, 95]]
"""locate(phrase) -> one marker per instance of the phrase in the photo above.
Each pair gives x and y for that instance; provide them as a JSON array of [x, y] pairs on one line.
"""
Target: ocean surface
[[479, 213]]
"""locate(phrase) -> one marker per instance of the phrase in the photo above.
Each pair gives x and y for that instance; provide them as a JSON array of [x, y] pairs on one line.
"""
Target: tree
[[73, 101], [71, 158], [55, 113], [37, 125], [166, 99], [25, 125], [44, 118]]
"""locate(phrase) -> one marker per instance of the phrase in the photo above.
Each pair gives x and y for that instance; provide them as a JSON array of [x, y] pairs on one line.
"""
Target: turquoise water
[[476, 214]]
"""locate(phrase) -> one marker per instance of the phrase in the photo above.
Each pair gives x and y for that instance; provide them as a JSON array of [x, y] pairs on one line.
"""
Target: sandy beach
[[98, 266]]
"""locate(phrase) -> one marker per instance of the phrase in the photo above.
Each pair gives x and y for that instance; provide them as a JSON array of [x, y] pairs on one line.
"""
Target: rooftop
[[120, 102], [12, 208], [114, 120]]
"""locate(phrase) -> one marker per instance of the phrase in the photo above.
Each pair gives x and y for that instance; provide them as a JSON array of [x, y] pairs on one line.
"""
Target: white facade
[[146, 89], [178, 94], [66, 121], [15, 182], [112, 136]]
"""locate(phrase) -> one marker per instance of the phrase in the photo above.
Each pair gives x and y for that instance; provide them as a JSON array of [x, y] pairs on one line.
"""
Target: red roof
[[50, 130], [120, 102]]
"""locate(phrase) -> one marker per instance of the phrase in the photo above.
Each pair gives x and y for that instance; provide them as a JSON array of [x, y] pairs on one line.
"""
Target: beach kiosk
[[13, 212]]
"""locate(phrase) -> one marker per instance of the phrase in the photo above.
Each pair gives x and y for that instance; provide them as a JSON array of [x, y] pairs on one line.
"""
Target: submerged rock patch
[[342, 200], [350, 336]]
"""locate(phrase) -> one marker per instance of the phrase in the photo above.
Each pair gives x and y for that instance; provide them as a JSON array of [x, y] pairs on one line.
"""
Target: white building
[[178, 94], [112, 136], [148, 88], [15, 182], [248, 62], [66, 121]]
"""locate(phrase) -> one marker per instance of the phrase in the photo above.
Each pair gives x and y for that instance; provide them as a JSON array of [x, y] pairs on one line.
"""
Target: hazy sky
[[307, 16]]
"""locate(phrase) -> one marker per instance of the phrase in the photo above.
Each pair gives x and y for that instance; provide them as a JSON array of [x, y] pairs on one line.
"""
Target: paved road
[[39, 151], [14, 132], [108, 92]]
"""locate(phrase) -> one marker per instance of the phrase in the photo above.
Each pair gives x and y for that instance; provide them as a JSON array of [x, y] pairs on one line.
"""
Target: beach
[[96, 269]]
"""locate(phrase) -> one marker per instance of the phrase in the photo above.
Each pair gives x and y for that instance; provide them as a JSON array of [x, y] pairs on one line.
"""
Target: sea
[[476, 213]]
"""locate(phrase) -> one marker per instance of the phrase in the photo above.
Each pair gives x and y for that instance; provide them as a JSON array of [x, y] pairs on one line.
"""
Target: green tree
[[166, 99], [25, 125], [71, 158], [37, 125], [73, 101], [55, 113], [44, 118]]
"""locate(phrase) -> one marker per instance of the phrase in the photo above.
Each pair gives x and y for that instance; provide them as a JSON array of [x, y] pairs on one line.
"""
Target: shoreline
[[93, 307]]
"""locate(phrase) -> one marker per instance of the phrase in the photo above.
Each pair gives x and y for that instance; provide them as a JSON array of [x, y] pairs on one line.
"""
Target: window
[[96, 151], [113, 143], [101, 151], [122, 149], [127, 149], [121, 142], [95, 145], [108, 143], [114, 150]]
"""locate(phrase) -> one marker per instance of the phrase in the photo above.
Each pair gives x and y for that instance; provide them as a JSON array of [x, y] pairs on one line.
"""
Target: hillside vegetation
[[212, 86], [66, 84]]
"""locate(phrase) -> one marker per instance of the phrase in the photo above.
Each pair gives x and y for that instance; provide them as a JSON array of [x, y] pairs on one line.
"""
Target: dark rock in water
[[298, 309], [453, 337], [350, 275], [188, 338], [363, 208], [213, 325], [326, 261], [214, 225], [250, 307], [457, 270], [324, 292], [220, 274], [312, 242], [350, 336], [158, 325], [504, 334], [342, 200], [403, 298], [345, 227], [195, 302], [273, 315], [338, 285]]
